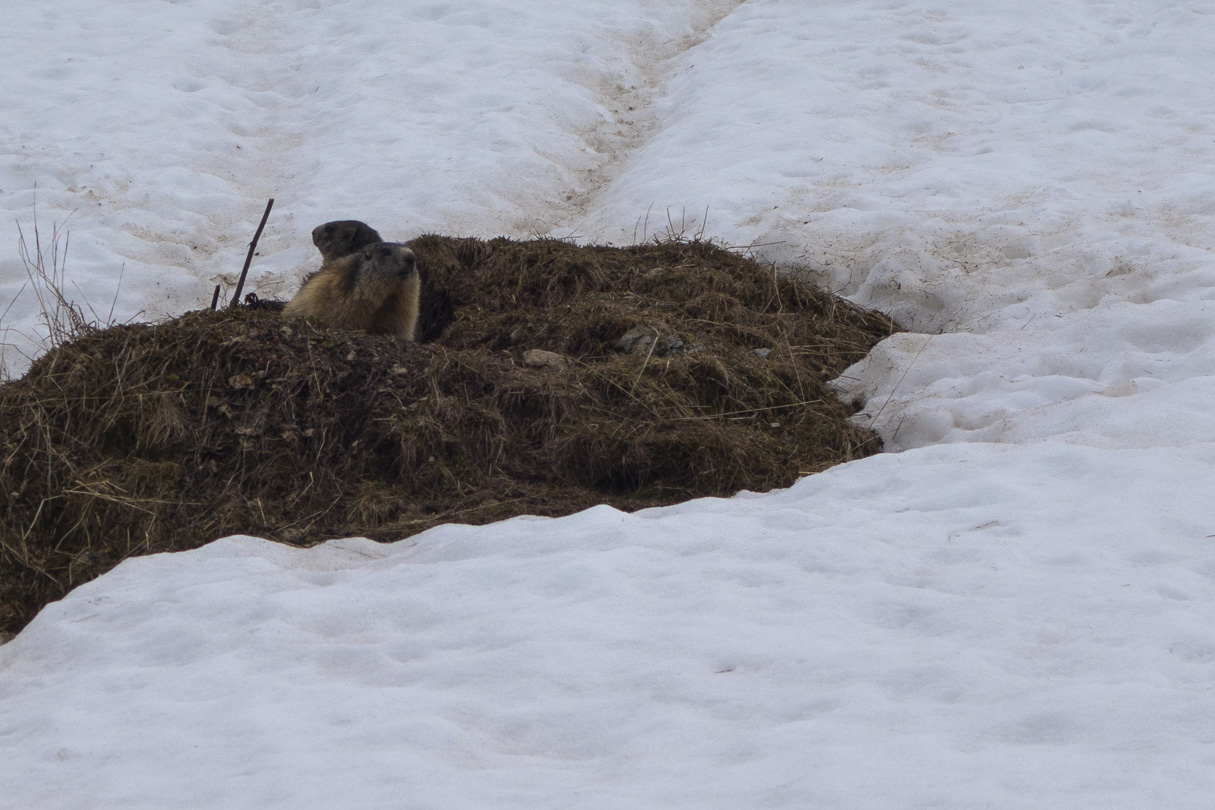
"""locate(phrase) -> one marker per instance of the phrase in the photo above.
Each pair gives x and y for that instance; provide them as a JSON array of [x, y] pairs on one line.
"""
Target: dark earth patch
[[673, 371]]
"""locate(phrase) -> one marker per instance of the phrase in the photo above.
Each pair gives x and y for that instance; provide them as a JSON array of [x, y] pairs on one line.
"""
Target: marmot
[[375, 289], [343, 237]]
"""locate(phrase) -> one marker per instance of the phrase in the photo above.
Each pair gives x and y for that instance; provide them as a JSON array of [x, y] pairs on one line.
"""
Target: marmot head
[[343, 237], [380, 263]]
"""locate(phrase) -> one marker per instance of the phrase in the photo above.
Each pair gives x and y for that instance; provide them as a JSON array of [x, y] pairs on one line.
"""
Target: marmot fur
[[375, 289], [343, 237]]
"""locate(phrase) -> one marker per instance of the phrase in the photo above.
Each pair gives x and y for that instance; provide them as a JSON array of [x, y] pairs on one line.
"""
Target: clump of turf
[[147, 438]]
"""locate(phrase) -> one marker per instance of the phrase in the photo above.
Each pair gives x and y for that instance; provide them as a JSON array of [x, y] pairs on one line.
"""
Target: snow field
[[990, 172], [1014, 612], [161, 129], [988, 640]]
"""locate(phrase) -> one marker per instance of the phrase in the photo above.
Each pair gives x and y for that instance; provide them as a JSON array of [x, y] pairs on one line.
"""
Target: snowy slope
[[856, 641], [1037, 182], [161, 128], [1018, 610]]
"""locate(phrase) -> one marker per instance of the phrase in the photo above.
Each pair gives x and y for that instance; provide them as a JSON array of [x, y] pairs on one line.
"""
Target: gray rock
[[639, 337], [665, 346], [648, 340], [539, 358]]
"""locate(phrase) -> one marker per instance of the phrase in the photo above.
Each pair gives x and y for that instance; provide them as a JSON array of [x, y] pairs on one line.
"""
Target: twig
[[645, 226], [109, 318], [745, 411], [240, 285], [753, 245], [648, 355], [873, 421], [450, 513], [704, 224], [215, 298], [4, 314]]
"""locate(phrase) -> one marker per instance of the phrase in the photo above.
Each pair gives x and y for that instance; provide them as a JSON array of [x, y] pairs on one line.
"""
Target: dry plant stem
[[109, 318], [240, 285], [62, 318], [4, 314], [648, 355], [893, 391]]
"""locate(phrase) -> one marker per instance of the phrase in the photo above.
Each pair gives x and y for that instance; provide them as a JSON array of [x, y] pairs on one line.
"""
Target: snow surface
[[1017, 610]]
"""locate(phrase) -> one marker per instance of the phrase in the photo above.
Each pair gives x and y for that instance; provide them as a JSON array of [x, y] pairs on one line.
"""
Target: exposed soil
[[158, 437]]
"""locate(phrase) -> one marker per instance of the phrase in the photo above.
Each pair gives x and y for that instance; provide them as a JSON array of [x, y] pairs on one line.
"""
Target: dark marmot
[[343, 237], [375, 289]]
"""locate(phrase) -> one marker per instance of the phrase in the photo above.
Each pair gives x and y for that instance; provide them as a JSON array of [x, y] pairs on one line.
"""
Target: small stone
[[664, 346], [763, 353], [639, 337], [647, 340], [539, 358]]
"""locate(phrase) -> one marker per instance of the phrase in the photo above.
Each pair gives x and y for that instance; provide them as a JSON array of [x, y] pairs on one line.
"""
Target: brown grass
[[146, 438]]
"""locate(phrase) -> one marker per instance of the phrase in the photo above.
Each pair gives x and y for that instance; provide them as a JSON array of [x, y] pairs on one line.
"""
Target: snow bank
[[859, 639], [1015, 612], [1035, 181]]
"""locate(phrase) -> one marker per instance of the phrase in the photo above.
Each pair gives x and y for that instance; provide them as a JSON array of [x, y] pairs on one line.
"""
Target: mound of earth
[[550, 378]]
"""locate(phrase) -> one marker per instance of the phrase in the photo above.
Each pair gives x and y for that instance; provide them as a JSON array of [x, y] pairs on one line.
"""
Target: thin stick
[[745, 411], [649, 354], [215, 298], [240, 285], [894, 390], [109, 318]]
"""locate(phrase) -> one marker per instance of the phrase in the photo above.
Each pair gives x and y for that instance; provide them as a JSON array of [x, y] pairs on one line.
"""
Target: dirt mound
[[551, 377]]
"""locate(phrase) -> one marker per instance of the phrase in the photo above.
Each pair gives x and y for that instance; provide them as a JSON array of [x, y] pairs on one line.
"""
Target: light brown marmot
[[375, 289], [343, 237]]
